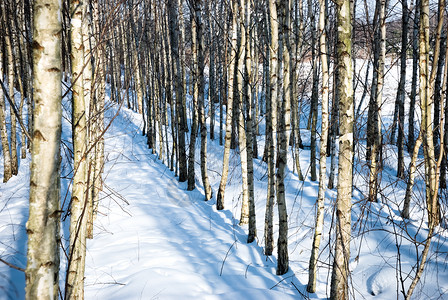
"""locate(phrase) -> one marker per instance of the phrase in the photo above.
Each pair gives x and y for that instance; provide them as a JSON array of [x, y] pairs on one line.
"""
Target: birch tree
[[80, 201], [323, 150], [374, 119], [240, 74], [282, 243], [8, 39], [7, 167], [229, 110], [401, 89], [42, 271], [415, 58], [172, 8], [314, 92], [201, 86], [426, 92], [271, 126], [295, 70], [194, 115], [340, 272]]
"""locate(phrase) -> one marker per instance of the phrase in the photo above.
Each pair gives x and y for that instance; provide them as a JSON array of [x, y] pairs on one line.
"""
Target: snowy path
[[155, 240]]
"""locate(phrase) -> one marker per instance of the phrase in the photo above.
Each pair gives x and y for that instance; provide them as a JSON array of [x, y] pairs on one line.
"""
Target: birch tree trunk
[[314, 92], [405, 213], [377, 100], [79, 200], [11, 80], [295, 54], [7, 167], [242, 143], [229, 105], [271, 125], [340, 272], [247, 97], [334, 122], [174, 39], [287, 84], [212, 77], [323, 151], [42, 271], [432, 164], [444, 136], [194, 116], [401, 89], [426, 91], [282, 243], [100, 92], [415, 58], [200, 77], [87, 81]]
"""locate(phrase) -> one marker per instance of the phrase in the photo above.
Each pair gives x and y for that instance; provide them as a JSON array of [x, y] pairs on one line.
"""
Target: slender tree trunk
[[401, 90], [11, 80], [229, 105], [323, 151], [242, 141], [271, 127], [212, 78], [340, 273], [444, 165], [7, 167], [87, 81], [334, 122], [180, 115], [405, 213], [299, 26], [376, 100], [426, 92], [100, 92], [200, 78], [42, 271], [282, 243], [415, 58], [314, 93], [254, 92], [194, 116], [247, 97], [437, 92], [223, 79], [79, 200], [182, 55]]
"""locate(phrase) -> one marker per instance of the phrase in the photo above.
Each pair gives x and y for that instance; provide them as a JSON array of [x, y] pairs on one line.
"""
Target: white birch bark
[[323, 151], [7, 168], [340, 272], [79, 203], [229, 111], [42, 271], [377, 98], [244, 218], [202, 123], [247, 94], [271, 126]]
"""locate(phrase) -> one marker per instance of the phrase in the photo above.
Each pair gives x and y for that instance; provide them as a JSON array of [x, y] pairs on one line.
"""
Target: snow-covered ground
[[153, 239]]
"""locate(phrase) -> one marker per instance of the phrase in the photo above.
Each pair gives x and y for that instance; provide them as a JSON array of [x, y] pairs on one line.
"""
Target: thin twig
[[11, 265], [222, 266]]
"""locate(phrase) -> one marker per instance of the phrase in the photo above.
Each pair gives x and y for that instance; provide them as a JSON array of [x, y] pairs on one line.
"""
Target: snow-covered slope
[[155, 240]]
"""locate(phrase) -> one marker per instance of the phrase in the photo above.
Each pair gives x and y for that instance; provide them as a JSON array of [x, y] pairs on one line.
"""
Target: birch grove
[[256, 106]]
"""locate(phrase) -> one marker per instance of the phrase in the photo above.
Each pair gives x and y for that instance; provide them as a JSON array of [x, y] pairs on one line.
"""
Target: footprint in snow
[[381, 280]]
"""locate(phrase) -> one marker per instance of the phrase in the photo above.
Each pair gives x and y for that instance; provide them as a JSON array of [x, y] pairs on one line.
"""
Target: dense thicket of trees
[[236, 62]]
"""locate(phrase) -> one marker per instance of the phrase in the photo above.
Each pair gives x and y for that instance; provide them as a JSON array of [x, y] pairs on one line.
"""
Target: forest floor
[[153, 239]]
